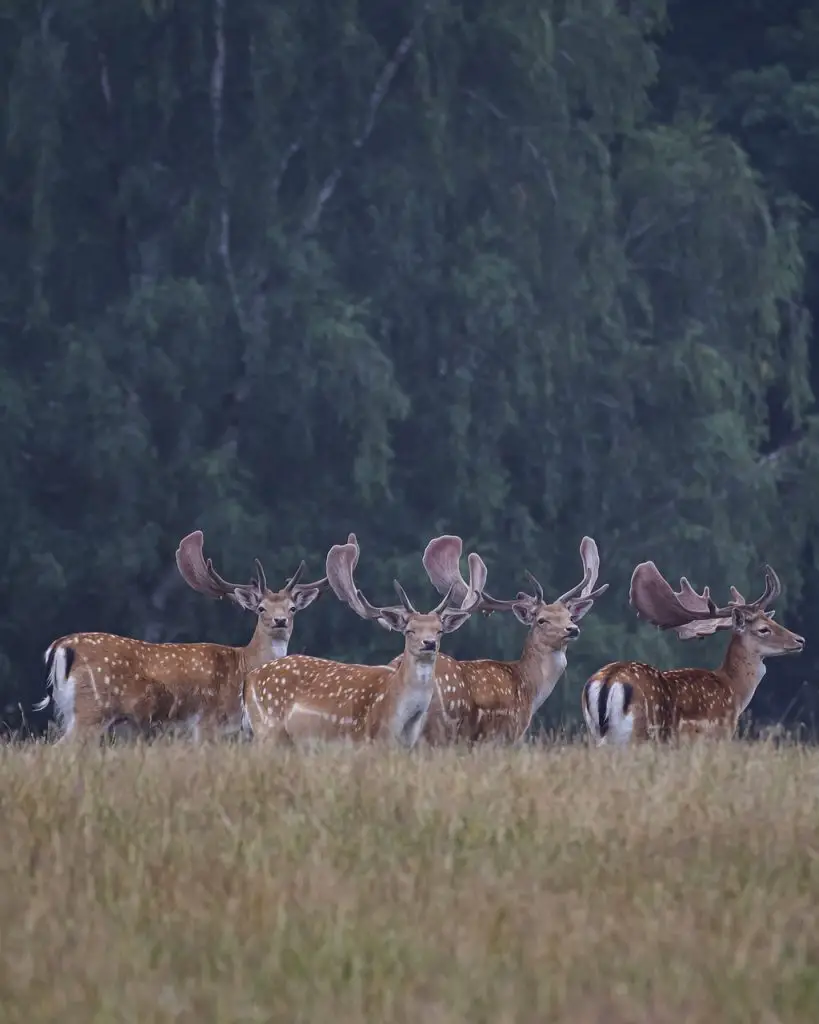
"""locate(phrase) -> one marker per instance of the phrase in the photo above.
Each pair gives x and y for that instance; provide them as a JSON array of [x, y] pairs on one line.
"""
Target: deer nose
[[572, 630], [280, 623], [428, 645]]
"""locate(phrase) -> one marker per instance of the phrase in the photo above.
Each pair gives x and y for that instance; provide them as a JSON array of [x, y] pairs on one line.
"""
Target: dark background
[[516, 270]]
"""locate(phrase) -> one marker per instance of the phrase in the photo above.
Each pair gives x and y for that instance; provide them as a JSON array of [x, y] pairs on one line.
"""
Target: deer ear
[[523, 612], [579, 608], [250, 600], [393, 618], [303, 598], [454, 621], [738, 621]]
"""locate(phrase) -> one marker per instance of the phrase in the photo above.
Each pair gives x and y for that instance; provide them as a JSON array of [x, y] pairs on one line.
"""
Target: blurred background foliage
[[520, 271]]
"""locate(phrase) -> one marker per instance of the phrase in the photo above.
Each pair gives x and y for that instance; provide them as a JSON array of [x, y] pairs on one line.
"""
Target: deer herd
[[97, 680]]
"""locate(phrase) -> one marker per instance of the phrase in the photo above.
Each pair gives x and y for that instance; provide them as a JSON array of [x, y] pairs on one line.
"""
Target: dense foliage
[[516, 270]]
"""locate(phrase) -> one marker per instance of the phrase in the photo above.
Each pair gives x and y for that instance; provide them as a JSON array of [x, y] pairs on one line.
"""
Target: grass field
[[246, 884]]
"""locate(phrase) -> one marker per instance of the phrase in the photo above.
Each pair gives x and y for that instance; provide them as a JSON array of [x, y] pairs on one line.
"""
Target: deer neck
[[410, 692], [540, 669], [743, 669], [262, 648]]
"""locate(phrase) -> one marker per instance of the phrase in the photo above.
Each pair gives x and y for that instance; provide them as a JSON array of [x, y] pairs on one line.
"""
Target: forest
[[520, 271]]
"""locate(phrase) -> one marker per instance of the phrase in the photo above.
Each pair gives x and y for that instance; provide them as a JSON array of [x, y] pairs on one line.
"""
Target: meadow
[[241, 883]]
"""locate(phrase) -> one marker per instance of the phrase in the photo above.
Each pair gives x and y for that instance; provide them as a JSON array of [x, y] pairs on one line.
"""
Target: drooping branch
[[499, 115], [380, 90], [217, 87], [289, 153]]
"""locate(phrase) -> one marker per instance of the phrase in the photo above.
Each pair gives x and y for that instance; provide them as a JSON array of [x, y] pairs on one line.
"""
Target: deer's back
[[177, 666]]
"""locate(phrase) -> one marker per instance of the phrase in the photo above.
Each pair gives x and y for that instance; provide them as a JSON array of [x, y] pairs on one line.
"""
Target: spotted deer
[[629, 701], [496, 700], [98, 679], [299, 698]]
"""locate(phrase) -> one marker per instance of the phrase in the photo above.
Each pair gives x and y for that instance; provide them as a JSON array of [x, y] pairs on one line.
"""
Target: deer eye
[[764, 630], [292, 609], [541, 621]]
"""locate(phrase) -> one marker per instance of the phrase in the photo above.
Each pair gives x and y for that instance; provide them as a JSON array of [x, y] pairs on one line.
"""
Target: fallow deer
[[299, 698], [97, 679], [628, 700], [496, 700]]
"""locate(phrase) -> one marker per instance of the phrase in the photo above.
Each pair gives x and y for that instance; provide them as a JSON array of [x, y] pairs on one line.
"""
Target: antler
[[341, 562], [201, 576], [688, 613], [441, 560], [442, 563], [199, 573], [773, 588]]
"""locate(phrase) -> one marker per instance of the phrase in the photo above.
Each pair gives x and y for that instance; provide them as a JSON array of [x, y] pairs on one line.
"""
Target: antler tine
[[535, 584], [773, 588], [260, 576], [294, 579], [477, 580], [440, 608], [402, 596], [199, 574]]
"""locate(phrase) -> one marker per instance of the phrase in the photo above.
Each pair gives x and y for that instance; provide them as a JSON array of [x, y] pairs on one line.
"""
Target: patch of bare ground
[[244, 883]]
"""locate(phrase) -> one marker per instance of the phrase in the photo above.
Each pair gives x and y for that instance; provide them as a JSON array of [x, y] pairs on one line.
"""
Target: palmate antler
[[691, 614], [341, 562], [199, 574], [442, 563]]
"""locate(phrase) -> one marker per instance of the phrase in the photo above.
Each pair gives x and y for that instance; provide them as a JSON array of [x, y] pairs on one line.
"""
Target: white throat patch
[[279, 648]]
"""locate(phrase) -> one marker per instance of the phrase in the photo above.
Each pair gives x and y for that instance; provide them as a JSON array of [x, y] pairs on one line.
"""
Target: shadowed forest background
[[520, 271]]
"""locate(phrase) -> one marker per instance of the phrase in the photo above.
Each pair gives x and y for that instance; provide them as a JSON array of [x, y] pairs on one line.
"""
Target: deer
[[301, 699], [628, 701], [99, 679], [497, 700]]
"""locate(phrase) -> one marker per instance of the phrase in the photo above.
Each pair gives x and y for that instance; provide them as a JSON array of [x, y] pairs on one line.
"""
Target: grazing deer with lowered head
[[299, 698], [628, 700], [496, 700], [96, 679]]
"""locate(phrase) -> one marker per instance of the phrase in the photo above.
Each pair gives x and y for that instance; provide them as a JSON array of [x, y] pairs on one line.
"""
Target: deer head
[[553, 624], [422, 631], [275, 609], [692, 615]]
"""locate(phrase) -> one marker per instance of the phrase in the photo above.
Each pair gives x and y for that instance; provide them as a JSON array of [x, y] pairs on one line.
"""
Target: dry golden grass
[[247, 884]]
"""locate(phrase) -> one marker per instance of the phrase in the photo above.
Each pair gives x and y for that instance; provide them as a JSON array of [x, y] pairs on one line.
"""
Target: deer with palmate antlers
[[299, 698], [496, 700], [98, 679], [628, 700]]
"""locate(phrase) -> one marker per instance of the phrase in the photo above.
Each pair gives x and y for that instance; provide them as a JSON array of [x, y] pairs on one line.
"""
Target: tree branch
[[217, 86], [289, 153], [516, 130], [382, 85]]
